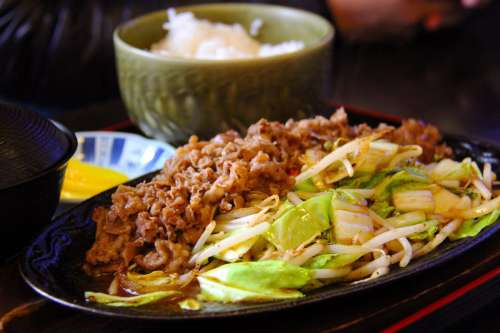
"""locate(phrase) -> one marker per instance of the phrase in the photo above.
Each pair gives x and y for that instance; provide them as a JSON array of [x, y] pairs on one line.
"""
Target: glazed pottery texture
[[172, 98]]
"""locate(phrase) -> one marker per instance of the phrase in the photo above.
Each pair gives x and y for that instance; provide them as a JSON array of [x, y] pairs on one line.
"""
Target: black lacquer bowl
[[52, 264], [34, 152]]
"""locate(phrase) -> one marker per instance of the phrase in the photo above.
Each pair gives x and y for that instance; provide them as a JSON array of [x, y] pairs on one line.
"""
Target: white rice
[[189, 37]]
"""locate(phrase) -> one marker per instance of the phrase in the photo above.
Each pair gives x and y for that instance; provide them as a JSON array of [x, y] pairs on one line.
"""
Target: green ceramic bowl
[[171, 98]]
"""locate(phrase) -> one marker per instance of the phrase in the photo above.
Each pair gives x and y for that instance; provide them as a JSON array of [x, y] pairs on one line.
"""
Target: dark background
[[450, 77]]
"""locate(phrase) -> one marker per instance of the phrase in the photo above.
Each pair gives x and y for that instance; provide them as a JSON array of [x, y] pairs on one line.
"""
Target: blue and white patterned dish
[[130, 154]]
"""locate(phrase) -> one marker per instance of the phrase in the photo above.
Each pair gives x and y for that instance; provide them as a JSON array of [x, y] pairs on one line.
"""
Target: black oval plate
[[52, 264]]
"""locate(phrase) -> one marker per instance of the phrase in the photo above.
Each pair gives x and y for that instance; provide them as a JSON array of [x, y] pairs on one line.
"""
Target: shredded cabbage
[[129, 301], [473, 227], [190, 304]]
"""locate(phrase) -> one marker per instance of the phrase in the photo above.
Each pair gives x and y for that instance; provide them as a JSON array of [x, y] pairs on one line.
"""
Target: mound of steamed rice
[[189, 37]]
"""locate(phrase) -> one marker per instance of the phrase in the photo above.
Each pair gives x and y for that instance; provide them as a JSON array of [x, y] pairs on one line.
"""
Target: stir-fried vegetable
[[131, 301], [427, 234], [332, 260], [251, 281], [473, 227], [355, 210], [301, 223], [452, 170], [408, 201], [189, 304]]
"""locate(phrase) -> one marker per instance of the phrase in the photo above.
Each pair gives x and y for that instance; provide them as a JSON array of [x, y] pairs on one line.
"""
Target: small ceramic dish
[[130, 154]]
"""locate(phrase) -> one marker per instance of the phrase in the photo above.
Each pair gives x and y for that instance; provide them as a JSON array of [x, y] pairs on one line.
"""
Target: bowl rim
[[322, 42], [126, 135], [72, 145]]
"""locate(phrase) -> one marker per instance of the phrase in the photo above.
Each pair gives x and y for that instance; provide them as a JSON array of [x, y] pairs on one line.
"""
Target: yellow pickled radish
[[83, 180]]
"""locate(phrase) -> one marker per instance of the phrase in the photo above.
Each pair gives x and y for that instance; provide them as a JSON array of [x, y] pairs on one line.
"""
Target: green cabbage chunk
[[334, 260], [427, 234], [189, 304], [129, 301], [382, 208], [473, 227], [451, 170], [383, 190], [306, 186], [253, 281], [213, 291], [347, 196], [301, 223], [365, 180], [285, 206], [405, 179]]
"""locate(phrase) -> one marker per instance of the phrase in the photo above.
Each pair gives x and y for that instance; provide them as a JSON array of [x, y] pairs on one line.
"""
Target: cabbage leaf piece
[[348, 196], [213, 291], [306, 186], [382, 208], [407, 175], [236, 252], [473, 227], [153, 279], [253, 281], [366, 180], [189, 304], [428, 233], [451, 170], [147, 283], [333, 260], [285, 207], [301, 223], [129, 301], [405, 179]]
